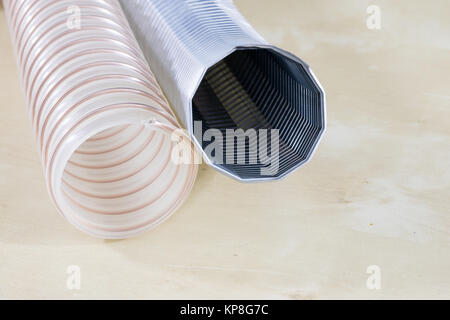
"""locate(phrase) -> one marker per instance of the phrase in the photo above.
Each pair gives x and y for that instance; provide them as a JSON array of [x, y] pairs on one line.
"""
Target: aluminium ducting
[[219, 73]]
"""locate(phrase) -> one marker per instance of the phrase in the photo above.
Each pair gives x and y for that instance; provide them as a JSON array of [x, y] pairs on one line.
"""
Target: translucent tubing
[[108, 140]]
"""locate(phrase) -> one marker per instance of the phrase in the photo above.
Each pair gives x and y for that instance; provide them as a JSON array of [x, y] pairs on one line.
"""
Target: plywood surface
[[376, 192]]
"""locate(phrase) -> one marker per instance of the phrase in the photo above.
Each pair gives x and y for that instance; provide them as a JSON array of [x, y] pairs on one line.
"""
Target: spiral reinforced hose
[[107, 137], [218, 71]]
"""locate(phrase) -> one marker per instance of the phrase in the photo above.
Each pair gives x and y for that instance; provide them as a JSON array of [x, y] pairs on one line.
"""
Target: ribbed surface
[[181, 38], [252, 89], [102, 124], [203, 54]]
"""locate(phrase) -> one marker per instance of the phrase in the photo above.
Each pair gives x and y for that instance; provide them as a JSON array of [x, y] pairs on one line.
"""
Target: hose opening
[[254, 88]]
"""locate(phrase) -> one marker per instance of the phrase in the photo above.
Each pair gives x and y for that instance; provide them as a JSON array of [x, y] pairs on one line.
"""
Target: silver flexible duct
[[215, 68]]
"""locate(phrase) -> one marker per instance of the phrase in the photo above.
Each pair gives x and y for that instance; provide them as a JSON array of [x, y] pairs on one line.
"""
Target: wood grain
[[376, 192]]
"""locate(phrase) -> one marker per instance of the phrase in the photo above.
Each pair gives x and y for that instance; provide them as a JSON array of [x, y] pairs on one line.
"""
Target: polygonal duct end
[[253, 89]]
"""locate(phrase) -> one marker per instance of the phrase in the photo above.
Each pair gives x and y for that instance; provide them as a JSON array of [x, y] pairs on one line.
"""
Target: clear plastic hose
[[106, 134]]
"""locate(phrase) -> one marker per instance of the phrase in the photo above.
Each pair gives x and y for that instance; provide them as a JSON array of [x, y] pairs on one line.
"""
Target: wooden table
[[375, 194]]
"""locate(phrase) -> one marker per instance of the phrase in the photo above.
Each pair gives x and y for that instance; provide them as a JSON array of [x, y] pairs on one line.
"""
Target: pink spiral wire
[[106, 134]]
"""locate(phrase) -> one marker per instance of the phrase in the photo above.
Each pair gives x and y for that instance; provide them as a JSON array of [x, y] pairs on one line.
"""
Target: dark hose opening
[[261, 89]]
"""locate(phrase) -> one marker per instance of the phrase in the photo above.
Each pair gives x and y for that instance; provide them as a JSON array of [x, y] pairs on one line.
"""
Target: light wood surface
[[376, 192]]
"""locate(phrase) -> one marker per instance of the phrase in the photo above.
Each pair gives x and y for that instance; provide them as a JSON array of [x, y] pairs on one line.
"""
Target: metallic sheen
[[214, 67]]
